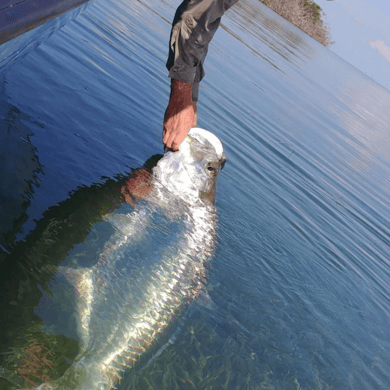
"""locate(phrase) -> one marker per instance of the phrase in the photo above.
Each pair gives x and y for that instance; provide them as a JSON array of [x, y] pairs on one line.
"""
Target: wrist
[[181, 91]]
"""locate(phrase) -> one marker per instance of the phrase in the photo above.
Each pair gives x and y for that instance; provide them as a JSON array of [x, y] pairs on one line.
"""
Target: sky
[[360, 30]]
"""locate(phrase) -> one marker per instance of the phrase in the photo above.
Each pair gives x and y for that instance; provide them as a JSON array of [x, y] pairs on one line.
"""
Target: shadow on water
[[19, 170], [19, 163]]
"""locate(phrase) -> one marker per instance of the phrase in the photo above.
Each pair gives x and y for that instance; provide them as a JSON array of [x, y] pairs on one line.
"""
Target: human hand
[[180, 115]]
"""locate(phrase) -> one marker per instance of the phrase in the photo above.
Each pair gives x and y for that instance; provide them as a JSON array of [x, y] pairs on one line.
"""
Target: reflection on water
[[259, 26], [367, 119], [19, 170], [297, 296]]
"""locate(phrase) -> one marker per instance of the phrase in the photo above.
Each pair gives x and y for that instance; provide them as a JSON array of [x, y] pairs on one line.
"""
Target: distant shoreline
[[304, 14]]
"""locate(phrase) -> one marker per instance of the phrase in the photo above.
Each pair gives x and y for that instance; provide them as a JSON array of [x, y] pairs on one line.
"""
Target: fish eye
[[210, 168]]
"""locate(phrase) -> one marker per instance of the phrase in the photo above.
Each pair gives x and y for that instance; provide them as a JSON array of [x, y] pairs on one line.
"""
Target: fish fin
[[131, 224], [204, 300], [82, 281], [225, 322], [171, 340]]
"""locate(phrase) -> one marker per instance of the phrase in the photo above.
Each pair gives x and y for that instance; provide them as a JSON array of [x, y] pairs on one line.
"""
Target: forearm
[[181, 93], [194, 25]]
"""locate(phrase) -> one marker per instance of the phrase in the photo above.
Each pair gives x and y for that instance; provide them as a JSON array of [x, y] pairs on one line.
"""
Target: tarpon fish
[[124, 301]]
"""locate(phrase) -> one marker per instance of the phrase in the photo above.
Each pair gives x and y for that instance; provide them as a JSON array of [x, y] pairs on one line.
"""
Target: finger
[[167, 127], [168, 133], [166, 136], [127, 197], [129, 200], [170, 138], [174, 146]]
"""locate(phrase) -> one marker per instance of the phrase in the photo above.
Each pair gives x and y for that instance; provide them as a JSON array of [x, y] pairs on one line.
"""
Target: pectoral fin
[[82, 281], [131, 224]]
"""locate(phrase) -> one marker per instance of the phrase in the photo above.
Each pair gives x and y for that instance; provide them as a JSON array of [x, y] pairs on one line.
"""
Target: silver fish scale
[[173, 282]]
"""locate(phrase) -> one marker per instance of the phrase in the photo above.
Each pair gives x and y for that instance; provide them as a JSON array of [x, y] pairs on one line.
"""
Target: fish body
[[138, 286]]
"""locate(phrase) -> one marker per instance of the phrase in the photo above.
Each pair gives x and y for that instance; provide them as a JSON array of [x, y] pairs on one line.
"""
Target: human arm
[[194, 25]]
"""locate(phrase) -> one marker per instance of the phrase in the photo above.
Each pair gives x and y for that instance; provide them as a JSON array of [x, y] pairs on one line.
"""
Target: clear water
[[299, 283]]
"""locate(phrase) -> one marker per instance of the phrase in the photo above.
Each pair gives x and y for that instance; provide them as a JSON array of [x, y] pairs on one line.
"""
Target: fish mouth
[[193, 170], [208, 196]]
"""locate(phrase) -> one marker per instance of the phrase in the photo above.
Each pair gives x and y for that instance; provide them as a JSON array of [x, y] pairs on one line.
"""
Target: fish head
[[192, 172]]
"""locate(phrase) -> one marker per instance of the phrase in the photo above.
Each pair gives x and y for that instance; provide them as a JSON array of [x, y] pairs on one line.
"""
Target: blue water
[[299, 283]]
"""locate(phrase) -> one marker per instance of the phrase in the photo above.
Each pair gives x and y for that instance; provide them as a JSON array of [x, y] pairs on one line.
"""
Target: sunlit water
[[297, 293]]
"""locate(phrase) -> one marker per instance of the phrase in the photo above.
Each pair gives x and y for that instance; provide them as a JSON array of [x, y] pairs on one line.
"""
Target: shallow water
[[298, 288]]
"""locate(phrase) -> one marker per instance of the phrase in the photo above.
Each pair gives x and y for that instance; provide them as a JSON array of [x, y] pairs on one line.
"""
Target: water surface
[[298, 289]]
